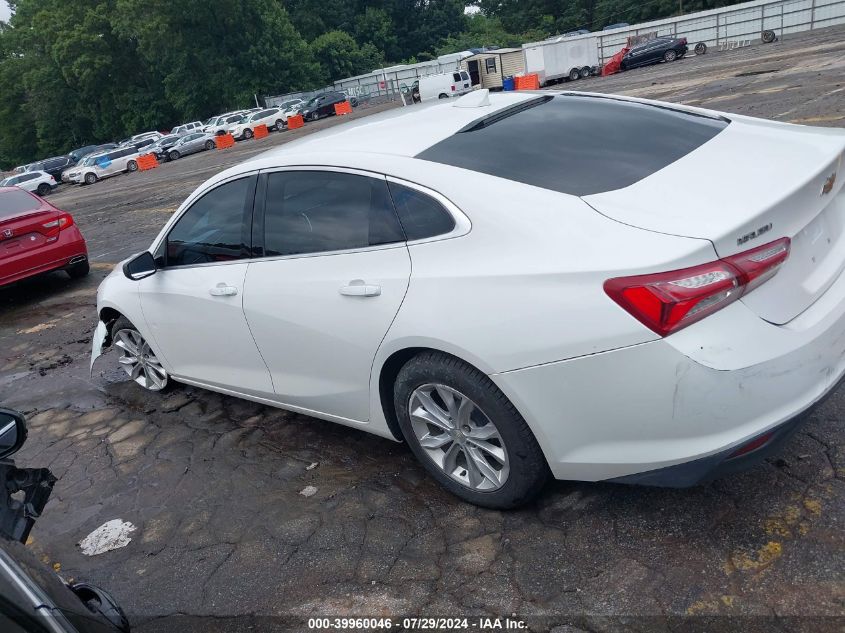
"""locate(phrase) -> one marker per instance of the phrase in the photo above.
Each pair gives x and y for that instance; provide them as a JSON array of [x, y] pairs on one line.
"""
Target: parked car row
[[90, 163]]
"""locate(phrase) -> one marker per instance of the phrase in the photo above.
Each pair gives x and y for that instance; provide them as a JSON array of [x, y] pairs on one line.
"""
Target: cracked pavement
[[213, 483]]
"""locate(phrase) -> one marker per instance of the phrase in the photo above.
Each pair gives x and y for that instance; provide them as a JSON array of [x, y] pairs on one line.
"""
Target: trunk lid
[[753, 183]]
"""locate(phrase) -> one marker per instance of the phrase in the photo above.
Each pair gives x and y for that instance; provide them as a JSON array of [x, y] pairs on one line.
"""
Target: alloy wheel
[[139, 361], [459, 437]]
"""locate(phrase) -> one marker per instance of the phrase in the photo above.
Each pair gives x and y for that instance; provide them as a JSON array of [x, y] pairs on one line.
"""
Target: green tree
[[339, 56]]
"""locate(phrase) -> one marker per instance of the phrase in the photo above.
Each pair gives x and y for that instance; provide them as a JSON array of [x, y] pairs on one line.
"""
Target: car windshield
[[312, 102], [289, 104], [5, 183]]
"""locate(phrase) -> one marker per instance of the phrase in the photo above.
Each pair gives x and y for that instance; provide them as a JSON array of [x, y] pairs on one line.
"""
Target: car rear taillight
[[670, 301], [683, 41], [62, 222], [453, 88]]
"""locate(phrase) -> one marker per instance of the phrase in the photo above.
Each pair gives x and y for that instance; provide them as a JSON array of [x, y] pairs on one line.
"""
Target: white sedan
[[519, 285], [39, 182]]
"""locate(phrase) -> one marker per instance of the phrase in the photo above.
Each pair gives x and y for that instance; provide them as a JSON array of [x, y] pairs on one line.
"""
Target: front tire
[[466, 433], [247, 134], [313, 116], [280, 125], [90, 179], [209, 144], [174, 155], [574, 74], [137, 357]]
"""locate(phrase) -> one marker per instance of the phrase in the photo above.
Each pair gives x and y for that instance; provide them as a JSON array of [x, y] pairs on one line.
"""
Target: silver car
[[191, 144]]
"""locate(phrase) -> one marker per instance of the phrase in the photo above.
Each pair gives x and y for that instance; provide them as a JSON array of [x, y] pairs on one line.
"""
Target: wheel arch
[[391, 366]]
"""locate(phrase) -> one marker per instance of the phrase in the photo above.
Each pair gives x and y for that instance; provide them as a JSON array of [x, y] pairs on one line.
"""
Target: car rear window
[[574, 144], [15, 202]]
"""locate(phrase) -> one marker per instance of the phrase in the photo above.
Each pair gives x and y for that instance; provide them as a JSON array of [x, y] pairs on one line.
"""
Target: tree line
[[84, 71]]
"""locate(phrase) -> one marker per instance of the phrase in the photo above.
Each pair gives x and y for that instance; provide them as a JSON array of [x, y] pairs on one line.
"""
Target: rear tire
[[78, 271], [132, 165], [43, 189], [574, 74], [586, 71], [443, 95], [137, 357], [488, 425], [670, 56]]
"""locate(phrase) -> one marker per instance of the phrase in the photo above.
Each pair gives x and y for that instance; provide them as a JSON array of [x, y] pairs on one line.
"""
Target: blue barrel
[[508, 83]]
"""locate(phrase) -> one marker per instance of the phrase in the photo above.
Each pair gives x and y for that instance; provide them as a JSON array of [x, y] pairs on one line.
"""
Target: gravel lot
[[212, 483]]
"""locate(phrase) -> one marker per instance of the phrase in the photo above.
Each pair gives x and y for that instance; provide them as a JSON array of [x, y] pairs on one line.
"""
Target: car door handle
[[357, 288], [222, 290]]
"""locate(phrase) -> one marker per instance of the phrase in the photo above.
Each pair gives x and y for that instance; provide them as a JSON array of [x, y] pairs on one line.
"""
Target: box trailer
[[562, 58]]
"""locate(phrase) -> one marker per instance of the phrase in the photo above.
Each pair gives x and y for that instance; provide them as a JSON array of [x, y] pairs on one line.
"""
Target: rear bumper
[[727, 462], [656, 413], [69, 249]]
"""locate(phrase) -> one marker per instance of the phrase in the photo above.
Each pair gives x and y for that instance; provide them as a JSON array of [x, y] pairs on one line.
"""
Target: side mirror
[[12, 432], [140, 267]]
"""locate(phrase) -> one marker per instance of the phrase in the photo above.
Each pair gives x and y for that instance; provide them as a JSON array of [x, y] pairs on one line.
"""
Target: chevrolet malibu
[[517, 285]]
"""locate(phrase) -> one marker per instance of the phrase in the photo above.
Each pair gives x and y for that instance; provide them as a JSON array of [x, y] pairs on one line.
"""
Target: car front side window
[[212, 230], [321, 212]]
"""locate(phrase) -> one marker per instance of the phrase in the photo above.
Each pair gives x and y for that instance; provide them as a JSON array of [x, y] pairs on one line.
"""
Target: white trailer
[[561, 58]]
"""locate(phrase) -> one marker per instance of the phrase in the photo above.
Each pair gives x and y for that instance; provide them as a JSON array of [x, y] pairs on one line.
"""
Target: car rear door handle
[[222, 290], [357, 288]]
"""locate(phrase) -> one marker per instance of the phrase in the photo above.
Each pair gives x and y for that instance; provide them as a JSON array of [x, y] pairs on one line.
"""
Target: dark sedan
[[53, 166], [662, 49], [322, 106]]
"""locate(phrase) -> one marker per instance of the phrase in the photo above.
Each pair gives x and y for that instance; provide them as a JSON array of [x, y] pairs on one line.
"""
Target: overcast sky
[[4, 10]]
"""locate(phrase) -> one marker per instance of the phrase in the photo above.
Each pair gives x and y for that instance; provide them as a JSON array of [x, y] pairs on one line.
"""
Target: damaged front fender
[[97, 343]]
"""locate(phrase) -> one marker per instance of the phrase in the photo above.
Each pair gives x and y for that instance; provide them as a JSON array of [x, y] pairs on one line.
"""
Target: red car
[[36, 237]]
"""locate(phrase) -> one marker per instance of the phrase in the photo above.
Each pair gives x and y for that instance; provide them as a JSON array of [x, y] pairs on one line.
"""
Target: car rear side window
[[15, 202], [421, 215], [579, 145], [212, 229], [320, 212]]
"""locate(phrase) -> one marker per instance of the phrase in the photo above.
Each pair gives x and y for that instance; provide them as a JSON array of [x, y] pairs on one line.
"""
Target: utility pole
[[681, 7]]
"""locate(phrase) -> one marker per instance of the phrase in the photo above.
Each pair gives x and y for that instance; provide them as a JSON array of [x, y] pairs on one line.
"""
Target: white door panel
[[196, 316], [319, 321]]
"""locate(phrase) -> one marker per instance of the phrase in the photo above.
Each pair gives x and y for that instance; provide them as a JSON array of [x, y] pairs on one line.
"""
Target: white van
[[444, 85], [98, 166]]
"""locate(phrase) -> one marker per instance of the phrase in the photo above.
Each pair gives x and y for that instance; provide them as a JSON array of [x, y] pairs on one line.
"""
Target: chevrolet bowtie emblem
[[828, 185]]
